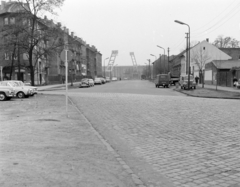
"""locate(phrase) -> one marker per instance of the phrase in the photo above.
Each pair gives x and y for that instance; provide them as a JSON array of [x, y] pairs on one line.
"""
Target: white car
[[6, 93], [20, 91], [114, 79], [97, 81], [20, 83]]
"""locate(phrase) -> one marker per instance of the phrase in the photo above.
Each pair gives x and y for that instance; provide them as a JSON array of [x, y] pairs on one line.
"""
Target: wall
[[211, 52], [99, 64]]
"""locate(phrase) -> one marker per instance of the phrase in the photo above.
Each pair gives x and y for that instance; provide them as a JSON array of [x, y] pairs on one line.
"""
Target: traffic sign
[[69, 55]]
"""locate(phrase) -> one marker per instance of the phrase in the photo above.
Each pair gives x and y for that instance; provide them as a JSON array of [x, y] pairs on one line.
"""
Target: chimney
[[72, 34], [207, 40], [45, 17]]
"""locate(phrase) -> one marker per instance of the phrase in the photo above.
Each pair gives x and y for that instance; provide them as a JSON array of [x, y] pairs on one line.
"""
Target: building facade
[[49, 68]]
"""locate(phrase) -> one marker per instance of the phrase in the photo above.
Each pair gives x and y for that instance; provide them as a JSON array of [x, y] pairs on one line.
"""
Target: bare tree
[[34, 31], [200, 57], [226, 42]]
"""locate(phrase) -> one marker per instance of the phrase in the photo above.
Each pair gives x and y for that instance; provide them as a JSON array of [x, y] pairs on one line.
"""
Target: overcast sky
[[139, 25]]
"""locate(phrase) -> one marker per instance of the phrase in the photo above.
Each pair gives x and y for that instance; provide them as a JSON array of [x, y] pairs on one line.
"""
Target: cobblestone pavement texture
[[190, 141], [39, 146]]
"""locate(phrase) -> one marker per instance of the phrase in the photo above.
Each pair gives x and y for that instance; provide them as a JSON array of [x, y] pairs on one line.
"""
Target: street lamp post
[[164, 57], [154, 56], [188, 52], [149, 69], [104, 66], [153, 64]]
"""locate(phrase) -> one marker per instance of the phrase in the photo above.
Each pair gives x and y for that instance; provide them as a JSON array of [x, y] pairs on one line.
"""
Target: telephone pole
[[168, 60]]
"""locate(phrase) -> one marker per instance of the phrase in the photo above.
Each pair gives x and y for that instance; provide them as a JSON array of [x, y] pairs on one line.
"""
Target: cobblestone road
[[191, 141]]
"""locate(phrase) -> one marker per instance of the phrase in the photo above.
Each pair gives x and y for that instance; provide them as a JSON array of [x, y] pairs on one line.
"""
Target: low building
[[222, 72]]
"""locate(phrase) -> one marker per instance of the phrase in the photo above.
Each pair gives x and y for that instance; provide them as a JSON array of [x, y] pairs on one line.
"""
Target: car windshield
[[17, 84], [12, 84], [163, 76]]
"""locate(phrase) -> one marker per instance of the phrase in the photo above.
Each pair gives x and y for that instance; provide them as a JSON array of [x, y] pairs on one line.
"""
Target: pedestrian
[[196, 79], [234, 81], [63, 79]]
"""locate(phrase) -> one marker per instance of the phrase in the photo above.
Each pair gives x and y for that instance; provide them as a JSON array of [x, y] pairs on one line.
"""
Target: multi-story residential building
[[48, 67], [99, 64]]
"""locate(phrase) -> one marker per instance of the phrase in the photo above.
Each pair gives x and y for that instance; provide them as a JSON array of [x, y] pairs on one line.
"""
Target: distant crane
[[135, 66], [111, 63]]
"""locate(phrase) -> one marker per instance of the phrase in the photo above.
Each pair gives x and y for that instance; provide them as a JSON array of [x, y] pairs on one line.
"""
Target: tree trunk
[[203, 75], [14, 49], [31, 68]]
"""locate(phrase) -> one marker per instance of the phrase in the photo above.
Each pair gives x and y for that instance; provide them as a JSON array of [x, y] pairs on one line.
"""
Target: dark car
[[162, 80], [84, 83]]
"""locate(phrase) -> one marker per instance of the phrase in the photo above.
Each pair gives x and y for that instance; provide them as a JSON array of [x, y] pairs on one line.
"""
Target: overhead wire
[[217, 24], [216, 16]]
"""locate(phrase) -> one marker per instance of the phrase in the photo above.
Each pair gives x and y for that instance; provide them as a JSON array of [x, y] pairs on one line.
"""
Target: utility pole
[[149, 69], [187, 54], [168, 60]]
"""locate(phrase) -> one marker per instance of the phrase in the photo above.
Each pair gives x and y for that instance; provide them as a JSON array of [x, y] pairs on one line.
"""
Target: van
[[163, 80]]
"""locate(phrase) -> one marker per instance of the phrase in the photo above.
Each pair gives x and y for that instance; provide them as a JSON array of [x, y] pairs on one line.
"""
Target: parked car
[[21, 84], [6, 93], [114, 79], [103, 80], [163, 80], [84, 83], [97, 81], [20, 91], [107, 79], [184, 82], [91, 82]]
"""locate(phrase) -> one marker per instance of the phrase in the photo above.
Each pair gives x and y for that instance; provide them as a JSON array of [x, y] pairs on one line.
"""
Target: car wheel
[[2, 97], [20, 95]]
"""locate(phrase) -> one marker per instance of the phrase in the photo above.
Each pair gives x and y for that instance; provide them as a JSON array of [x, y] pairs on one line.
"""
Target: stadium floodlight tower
[[135, 66], [111, 63]]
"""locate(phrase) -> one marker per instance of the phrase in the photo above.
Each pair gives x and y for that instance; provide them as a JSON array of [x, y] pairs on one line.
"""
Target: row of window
[[12, 21], [8, 56], [9, 21]]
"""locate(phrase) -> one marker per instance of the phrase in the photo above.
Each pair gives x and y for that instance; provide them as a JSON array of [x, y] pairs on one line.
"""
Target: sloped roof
[[226, 64], [233, 52], [12, 7], [184, 51]]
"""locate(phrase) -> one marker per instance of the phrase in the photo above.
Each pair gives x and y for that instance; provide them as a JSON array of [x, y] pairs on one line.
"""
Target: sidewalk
[[213, 87], [40, 146], [51, 86], [210, 91]]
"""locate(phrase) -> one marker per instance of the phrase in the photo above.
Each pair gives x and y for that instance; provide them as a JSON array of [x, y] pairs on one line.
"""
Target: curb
[[206, 96], [136, 179]]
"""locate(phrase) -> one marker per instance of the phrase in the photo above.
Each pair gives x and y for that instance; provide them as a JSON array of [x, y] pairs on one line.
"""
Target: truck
[[163, 80], [143, 77], [174, 80]]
